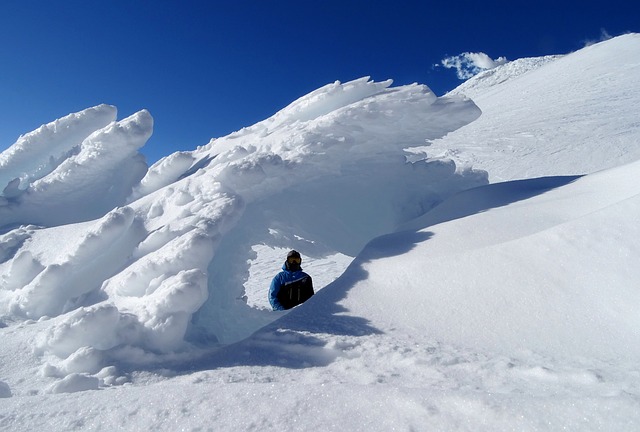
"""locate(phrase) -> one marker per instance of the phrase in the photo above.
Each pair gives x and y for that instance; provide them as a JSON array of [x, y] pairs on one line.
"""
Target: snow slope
[[467, 306], [576, 114]]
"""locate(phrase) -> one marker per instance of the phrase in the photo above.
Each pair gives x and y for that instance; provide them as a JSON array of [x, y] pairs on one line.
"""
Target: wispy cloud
[[604, 35], [469, 64]]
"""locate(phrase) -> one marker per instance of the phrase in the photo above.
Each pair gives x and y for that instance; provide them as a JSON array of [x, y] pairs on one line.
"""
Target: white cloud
[[469, 64]]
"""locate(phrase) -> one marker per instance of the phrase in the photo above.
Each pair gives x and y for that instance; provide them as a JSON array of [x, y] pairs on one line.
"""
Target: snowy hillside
[[575, 115], [138, 301]]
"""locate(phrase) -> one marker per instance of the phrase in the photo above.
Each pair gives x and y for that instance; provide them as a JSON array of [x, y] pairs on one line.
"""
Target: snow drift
[[131, 281], [444, 302]]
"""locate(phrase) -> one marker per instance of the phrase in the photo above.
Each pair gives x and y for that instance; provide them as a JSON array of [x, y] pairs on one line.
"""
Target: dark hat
[[293, 253]]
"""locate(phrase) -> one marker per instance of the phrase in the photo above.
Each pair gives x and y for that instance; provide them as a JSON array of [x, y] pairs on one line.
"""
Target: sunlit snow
[[474, 257]]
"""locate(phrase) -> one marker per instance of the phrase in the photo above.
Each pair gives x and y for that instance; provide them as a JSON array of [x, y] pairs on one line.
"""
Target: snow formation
[[74, 169], [131, 281], [443, 302]]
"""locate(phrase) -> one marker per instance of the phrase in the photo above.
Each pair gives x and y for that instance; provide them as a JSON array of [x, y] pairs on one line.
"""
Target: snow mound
[[174, 267], [75, 383]]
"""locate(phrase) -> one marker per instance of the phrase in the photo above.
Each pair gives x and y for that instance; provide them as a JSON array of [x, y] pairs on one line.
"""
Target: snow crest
[[37, 153], [74, 169], [483, 82]]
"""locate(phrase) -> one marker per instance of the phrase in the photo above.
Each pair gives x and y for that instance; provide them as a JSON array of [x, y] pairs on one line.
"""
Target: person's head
[[293, 261]]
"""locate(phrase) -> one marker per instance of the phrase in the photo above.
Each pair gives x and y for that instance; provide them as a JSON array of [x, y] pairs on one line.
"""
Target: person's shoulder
[[303, 275]]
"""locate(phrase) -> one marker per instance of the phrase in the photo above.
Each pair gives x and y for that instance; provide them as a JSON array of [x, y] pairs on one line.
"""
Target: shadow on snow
[[299, 338]]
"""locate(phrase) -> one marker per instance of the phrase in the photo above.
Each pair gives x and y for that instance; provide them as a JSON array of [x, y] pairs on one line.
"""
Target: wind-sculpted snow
[[44, 288], [163, 173], [324, 175], [74, 169], [327, 99], [506, 306], [38, 153]]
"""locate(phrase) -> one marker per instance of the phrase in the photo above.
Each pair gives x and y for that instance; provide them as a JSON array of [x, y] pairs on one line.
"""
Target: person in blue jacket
[[291, 286]]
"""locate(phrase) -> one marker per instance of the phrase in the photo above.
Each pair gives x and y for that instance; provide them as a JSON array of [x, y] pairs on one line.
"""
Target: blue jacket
[[279, 280]]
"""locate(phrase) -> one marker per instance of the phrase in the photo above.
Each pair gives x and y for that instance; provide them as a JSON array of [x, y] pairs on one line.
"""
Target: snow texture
[[475, 261]]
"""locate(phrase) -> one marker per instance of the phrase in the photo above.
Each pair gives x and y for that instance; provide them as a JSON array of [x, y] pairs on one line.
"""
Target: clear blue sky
[[206, 68]]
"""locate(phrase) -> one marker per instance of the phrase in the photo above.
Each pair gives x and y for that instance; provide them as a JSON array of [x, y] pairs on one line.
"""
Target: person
[[291, 286]]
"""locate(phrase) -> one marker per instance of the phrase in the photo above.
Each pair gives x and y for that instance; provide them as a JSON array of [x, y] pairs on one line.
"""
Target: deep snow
[[443, 302]]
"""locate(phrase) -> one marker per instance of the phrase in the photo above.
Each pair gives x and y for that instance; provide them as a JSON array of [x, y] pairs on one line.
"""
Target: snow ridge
[[91, 160], [38, 153], [485, 80]]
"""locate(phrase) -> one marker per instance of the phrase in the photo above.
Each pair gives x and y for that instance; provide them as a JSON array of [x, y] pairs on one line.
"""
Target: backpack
[[295, 292]]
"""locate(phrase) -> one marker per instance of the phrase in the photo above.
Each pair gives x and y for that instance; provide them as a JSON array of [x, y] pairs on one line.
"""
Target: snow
[[577, 112], [474, 257], [70, 161]]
